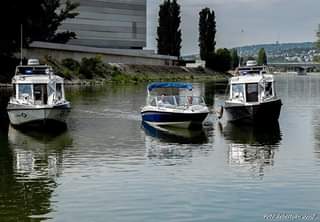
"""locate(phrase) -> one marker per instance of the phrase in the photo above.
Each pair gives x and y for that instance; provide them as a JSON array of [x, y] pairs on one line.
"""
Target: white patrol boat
[[38, 96], [252, 97]]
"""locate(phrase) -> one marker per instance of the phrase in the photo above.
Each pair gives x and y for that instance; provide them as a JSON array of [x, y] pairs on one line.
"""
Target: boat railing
[[175, 101], [34, 70]]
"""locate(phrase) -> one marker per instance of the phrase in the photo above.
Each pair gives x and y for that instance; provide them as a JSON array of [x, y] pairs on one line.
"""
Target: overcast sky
[[263, 21]]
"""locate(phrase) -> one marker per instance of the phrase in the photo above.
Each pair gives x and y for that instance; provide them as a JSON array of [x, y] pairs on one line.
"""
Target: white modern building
[[117, 24]]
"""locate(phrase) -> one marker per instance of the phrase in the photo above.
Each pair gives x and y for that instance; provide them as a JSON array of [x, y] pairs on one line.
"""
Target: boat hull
[[257, 113], [182, 120], [21, 115], [175, 135]]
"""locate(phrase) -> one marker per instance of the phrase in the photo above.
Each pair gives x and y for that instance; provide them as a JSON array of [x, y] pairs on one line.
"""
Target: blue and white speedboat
[[173, 104]]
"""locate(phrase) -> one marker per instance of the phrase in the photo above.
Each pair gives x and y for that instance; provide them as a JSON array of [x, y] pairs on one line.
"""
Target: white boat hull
[[21, 115]]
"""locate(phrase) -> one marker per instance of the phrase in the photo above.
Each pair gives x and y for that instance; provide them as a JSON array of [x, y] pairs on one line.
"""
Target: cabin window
[[268, 89], [25, 91], [40, 93], [237, 91], [252, 92], [59, 91], [14, 91]]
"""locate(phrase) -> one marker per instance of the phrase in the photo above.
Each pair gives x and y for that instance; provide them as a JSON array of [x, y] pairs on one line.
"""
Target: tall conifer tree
[[262, 57], [234, 58], [207, 33], [169, 33]]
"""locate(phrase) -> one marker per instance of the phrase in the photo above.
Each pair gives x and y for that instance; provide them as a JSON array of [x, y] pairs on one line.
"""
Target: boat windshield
[[237, 92], [175, 101], [39, 94], [25, 92]]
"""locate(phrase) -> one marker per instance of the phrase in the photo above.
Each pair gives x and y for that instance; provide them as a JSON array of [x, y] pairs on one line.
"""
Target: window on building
[[134, 30]]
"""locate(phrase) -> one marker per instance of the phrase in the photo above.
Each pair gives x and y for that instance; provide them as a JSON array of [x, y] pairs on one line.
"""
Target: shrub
[[71, 64], [91, 67]]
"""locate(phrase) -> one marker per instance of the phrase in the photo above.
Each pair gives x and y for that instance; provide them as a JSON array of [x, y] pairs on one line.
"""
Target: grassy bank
[[94, 71]]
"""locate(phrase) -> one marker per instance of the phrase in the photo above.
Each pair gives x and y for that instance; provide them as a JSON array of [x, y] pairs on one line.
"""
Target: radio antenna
[[21, 43]]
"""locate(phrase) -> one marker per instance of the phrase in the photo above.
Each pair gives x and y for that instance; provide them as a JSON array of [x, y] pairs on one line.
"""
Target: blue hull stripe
[[173, 117]]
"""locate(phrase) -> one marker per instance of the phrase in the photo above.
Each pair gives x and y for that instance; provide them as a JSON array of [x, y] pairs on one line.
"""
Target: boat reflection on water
[[252, 146], [259, 135], [32, 161], [176, 135], [31, 147], [174, 144]]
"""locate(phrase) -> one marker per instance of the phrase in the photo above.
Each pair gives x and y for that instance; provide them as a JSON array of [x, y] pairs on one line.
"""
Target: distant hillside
[[277, 48], [278, 52]]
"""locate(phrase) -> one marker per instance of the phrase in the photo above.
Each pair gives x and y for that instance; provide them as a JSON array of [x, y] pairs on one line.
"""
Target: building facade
[[109, 24]]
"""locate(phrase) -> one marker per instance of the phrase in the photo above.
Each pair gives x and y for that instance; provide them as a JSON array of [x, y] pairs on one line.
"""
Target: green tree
[[169, 33], [40, 20], [234, 58], [207, 33], [262, 57], [220, 60]]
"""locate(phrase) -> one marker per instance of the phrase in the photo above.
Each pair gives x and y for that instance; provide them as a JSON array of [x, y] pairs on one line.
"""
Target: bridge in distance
[[295, 66]]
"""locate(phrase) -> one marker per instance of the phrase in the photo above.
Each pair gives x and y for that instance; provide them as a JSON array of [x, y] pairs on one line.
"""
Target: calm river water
[[107, 167]]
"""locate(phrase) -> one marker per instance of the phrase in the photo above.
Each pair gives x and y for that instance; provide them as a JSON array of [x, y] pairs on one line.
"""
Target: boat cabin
[[252, 88], [172, 95], [37, 85]]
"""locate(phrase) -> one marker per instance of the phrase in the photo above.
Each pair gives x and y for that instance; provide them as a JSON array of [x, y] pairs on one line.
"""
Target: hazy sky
[[263, 21]]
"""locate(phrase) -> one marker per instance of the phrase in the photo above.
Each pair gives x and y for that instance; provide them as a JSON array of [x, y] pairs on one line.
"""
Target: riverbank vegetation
[[94, 70]]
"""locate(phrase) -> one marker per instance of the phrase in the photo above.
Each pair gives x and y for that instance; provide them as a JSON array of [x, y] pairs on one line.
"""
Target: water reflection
[[252, 146], [316, 126], [174, 143], [258, 135], [176, 135], [30, 163]]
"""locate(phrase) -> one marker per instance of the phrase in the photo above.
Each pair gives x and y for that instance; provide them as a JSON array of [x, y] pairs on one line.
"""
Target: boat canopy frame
[[177, 85]]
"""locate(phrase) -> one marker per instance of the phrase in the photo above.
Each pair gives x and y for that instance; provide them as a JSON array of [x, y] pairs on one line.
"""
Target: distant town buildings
[[109, 24], [287, 52]]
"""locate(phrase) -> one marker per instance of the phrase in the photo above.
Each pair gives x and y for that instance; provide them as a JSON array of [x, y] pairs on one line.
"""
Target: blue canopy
[[178, 85]]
